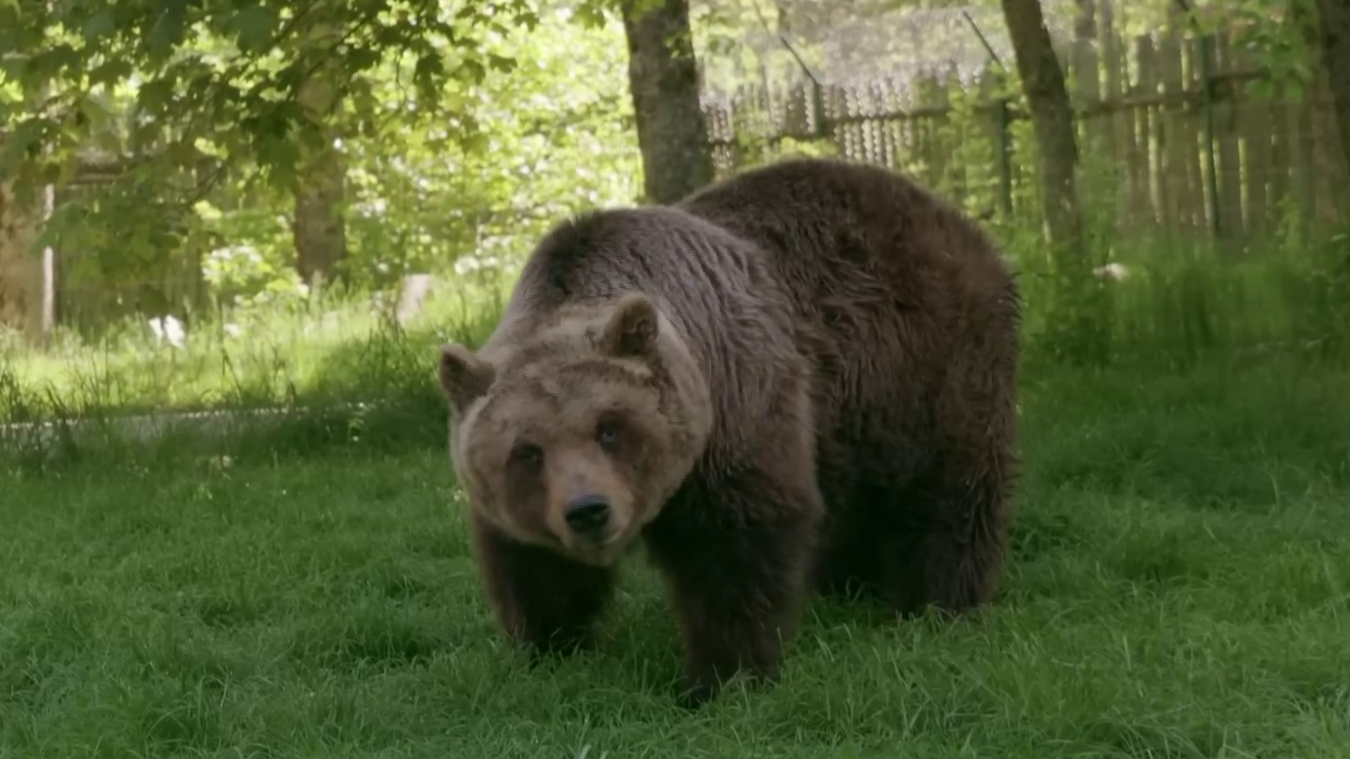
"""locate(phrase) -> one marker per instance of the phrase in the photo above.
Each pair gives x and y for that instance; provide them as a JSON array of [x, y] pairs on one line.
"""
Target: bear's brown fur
[[802, 377]]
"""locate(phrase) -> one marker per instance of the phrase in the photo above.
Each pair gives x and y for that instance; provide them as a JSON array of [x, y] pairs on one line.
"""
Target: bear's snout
[[587, 515]]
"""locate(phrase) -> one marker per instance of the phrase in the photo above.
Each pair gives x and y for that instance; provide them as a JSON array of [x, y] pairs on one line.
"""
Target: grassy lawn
[[1180, 588]]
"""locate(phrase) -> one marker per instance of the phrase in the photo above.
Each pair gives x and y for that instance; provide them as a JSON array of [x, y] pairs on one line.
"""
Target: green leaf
[[15, 65], [474, 70], [167, 32], [501, 62], [102, 24], [590, 14], [110, 72], [154, 96], [254, 26], [429, 71], [21, 141], [475, 142], [362, 58], [49, 64]]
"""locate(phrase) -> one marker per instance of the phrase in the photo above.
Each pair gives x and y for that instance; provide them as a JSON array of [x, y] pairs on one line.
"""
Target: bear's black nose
[[587, 514]]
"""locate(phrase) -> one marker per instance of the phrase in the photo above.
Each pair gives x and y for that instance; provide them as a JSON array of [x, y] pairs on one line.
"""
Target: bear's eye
[[607, 435], [528, 454]]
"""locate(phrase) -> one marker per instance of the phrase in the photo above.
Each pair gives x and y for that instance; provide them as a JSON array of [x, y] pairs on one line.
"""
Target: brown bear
[[801, 378]]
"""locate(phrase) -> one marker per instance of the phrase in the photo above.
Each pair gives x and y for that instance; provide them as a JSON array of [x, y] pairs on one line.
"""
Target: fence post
[[1004, 156], [820, 127], [1207, 104]]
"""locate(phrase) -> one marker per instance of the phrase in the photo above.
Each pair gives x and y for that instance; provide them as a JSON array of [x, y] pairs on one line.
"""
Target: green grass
[[1180, 588], [337, 347], [1180, 585]]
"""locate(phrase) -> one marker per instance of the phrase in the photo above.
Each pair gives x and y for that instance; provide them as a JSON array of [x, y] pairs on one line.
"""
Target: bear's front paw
[[692, 694], [704, 677], [544, 649]]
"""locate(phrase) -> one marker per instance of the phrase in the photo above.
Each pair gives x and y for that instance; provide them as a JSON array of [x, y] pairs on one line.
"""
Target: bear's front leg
[[735, 553], [540, 598]]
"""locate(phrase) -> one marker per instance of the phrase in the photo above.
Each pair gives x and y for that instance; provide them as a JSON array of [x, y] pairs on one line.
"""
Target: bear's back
[[719, 289], [849, 232], [896, 296]]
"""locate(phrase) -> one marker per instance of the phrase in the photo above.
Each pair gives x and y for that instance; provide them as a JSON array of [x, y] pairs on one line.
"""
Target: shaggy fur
[[800, 378]]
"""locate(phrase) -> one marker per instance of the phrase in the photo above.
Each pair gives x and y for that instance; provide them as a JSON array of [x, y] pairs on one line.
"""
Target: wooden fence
[[1179, 135]]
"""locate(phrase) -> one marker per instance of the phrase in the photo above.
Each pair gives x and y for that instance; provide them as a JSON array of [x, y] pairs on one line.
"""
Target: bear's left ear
[[633, 327], [464, 377]]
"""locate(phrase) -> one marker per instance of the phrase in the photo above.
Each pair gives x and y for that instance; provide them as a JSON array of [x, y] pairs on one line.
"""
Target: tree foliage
[[221, 72], [464, 126]]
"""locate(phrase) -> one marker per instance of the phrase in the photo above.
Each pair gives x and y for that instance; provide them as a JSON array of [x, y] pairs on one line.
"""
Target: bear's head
[[573, 433]]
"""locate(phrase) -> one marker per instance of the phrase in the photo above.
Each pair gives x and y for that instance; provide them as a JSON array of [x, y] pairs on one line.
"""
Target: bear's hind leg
[[943, 540], [736, 556], [541, 599]]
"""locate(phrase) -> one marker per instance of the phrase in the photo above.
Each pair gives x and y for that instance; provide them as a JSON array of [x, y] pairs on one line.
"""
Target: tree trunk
[[1334, 38], [1078, 304], [318, 231], [21, 272], [1051, 120], [663, 78], [1085, 20]]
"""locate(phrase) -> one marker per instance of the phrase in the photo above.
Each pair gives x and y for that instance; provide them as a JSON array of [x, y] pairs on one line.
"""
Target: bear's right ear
[[464, 377], [633, 327]]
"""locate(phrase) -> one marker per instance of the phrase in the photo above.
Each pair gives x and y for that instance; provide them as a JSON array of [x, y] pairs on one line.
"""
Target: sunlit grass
[[335, 348], [1176, 304]]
